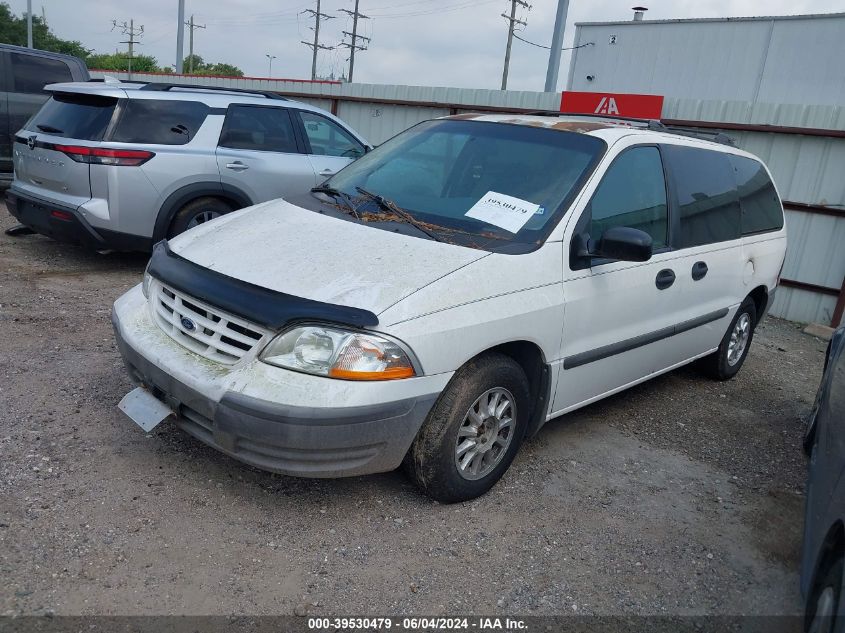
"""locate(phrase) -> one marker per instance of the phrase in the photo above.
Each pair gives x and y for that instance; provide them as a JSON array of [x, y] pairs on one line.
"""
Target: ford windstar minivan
[[441, 298]]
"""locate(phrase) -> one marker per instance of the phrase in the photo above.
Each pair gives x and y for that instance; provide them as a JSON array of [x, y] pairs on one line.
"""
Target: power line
[[463, 4], [190, 24], [356, 15], [512, 22], [133, 33], [548, 48], [316, 46]]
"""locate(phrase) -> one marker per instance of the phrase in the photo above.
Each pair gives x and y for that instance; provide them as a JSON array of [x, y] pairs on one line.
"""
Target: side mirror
[[625, 244]]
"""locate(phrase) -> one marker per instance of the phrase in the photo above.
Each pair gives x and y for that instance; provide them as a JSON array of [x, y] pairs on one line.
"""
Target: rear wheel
[[195, 213], [725, 362], [473, 432]]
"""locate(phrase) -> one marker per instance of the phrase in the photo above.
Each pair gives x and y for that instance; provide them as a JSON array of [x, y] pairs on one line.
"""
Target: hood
[[288, 249]]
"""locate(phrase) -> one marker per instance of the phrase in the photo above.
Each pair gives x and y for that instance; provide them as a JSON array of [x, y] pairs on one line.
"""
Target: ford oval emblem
[[188, 324]]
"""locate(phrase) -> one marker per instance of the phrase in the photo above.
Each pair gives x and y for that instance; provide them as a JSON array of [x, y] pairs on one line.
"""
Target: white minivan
[[441, 298]]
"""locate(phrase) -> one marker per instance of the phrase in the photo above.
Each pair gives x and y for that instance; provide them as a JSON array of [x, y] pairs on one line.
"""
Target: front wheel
[[725, 362], [473, 431]]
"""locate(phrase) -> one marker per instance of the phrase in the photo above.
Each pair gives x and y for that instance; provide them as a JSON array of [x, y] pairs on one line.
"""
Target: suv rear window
[[78, 116], [158, 122], [761, 207]]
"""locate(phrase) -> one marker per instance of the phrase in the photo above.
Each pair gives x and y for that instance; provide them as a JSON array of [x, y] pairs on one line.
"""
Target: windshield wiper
[[337, 193], [392, 207], [49, 129]]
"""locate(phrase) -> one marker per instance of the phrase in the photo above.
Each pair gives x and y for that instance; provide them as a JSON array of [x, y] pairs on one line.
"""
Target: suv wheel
[[824, 600], [725, 362], [197, 212], [473, 432]]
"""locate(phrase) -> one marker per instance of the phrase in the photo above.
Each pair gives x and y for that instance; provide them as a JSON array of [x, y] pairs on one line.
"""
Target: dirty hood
[[288, 249]]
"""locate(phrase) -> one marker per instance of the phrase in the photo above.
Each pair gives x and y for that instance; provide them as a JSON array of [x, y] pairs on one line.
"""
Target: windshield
[[79, 116], [509, 183]]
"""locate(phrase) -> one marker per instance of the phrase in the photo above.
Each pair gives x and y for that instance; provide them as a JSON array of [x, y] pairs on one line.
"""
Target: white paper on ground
[[144, 409], [503, 211]]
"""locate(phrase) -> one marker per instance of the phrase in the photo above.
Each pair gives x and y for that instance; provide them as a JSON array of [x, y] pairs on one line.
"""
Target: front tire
[[725, 362], [197, 212], [473, 431]]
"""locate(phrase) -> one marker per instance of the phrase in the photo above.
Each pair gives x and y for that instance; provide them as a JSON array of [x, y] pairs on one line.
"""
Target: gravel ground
[[680, 496]]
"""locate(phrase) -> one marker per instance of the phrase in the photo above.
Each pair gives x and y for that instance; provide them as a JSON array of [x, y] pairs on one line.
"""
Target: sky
[[458, 43]]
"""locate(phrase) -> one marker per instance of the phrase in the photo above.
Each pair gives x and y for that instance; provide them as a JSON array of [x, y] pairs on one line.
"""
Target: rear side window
[[632, 193], [158, 122], [30, 73], [78, 116], [258, 128], [761, 208], [706, 190]]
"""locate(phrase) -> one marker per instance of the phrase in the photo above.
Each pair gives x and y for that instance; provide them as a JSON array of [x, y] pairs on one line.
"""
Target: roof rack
[[164, 87], [648, 124]]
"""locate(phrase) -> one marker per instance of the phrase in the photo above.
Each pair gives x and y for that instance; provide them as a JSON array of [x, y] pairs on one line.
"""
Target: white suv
[[447, 294], [122, 165]]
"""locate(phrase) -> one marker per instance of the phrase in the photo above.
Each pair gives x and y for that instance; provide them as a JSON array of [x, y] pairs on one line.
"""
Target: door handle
[[327, 172], [665, 278], [237, 166], [699, 269]]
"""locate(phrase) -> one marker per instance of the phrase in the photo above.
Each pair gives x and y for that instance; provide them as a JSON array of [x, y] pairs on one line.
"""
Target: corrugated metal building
[[776, 85]]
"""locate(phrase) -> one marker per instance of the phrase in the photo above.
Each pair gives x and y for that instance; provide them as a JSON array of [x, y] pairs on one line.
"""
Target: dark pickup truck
[[23, 74]]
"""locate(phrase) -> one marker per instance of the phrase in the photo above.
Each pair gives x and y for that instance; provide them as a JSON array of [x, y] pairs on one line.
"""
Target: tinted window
[[761, 207], [327, 138], [706, 189], [159, 122], [31, 73], [83, 117], [632, 193], [258, 128]]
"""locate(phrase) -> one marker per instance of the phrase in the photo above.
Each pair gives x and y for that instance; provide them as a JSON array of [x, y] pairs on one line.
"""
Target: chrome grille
[[215, 335]]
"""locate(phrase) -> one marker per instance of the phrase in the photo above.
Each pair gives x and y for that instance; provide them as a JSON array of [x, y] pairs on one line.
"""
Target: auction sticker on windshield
[[503, 211]]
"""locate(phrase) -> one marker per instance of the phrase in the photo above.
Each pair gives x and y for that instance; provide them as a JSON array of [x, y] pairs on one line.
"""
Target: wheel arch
[[760, 296], [531, 359], [179, 198]]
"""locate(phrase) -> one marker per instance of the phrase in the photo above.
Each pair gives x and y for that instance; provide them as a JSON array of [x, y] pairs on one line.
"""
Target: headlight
[[145, 285], [337, 353]]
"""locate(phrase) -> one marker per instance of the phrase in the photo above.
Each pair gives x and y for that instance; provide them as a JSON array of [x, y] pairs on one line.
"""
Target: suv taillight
[[105, 156]]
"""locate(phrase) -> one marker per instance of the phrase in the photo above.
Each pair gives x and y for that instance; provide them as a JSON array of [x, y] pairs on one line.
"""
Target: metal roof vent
[[638, 13]]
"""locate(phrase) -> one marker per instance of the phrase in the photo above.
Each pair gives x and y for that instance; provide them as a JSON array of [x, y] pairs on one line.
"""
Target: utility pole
[[355, 37], [193, 27], [557, 45], [318, 17], [133, 33], [512, 22], [29, 24], [180, 38]]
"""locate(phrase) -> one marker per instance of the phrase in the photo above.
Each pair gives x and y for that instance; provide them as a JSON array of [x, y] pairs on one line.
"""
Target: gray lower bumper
[[299, 441]]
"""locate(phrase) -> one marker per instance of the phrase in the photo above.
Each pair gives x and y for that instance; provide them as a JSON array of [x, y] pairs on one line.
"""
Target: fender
[[183, 196]]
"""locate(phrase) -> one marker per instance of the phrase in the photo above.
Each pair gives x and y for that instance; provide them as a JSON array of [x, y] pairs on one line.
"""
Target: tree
[[13, 31], [201, 67], [120, 62]]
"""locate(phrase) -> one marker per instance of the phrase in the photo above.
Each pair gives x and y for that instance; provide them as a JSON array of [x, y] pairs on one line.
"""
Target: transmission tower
[[354, 37], [133, 34], [512, 22], [316, 46]]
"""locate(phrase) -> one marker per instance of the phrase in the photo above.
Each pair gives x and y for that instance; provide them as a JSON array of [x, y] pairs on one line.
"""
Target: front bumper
[[305, 441]]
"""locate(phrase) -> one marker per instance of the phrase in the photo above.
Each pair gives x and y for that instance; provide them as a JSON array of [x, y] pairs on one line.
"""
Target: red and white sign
[[612, 104]]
